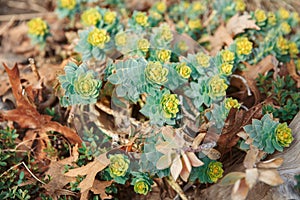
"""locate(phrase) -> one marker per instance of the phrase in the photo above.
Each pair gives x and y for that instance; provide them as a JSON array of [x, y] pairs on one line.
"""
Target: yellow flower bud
[[143, 45], [215, 171], [98, 37], [110, 17], [240, 5], [217, 86], [182, 46], [141, 18], [155, 73], [181, 24], [183, 70], [260, 16], [293, 49], [194, 24], [37, 27], [285, 28], [161, 6], [141, 187], [231, 103], [243, 45], [284, 135], [226, 69], [170, 104], [163, 55], [166, 33], [197, 7], [283, 13], [118, 165], [227, 56], [155, 15], [91, 17], [283, 45], [68, 4], [272, 19]]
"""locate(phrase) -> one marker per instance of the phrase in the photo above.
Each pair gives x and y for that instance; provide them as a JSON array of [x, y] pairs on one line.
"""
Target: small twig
[[71, 114], [244, 81], [36, 178], [11, 21], [34, 68], [26, 16], [176, 187]]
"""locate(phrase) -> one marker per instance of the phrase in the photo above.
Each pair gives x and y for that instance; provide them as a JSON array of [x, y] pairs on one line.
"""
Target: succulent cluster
[[38, 31], [269, 135]]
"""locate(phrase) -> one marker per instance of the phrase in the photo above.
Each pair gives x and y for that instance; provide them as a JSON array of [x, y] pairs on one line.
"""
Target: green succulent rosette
[[141, 183], [156, 73], [269, 135], [80, 85], [210, 172], [119, 165], [93, 43]]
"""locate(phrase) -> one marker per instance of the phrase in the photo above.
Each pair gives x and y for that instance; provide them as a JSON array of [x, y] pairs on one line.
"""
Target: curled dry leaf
[[292, 71], [251, 177], [270, 177], [239, 23], [31, 118], [99, 188], [273, 163], [240, 190], [198, 139], [232, 178], [251, 157], [176, 167], [186, 167], [90, 170]]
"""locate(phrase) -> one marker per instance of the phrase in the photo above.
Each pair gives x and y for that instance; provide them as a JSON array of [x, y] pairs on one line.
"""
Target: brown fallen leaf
[[270, 177], [292, 71], [239, 23], [99, 188], [58, 179], [90, 170], [240, 190], [26, 114], [250, 158]]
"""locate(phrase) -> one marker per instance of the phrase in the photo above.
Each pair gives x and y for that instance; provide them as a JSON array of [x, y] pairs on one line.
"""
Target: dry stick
[[10, 23], [176, 187], [34, 68], [243, 81], [20, 17], [25, 6]]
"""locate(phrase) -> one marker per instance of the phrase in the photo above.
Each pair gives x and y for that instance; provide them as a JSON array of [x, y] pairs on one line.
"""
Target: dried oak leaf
[[58, 179], [292, 71], [90, 170], [238, 23], [26, 114]]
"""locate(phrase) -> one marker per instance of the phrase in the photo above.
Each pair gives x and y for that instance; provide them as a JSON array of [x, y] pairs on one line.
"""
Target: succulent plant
[[38, 31], [269, 135], [67, 8], [80, 85], [141, 183]]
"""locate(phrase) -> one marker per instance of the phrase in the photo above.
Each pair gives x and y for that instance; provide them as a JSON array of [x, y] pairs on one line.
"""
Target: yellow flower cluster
[[284, 135], [182, 46], [91, 17], [121, 39], [231, 103], [163, 55], [161, 6], [293, 49], [243, 46], [118, 165], [170, 104], [202, 59], [68, 4], [272, 19], [141, 18], [217, 86], [260, 16], [240, 5], [110, 17], [215, 171], [285, 28], [166, 33], [283, 45], [155, 73], [143, 45], [183, 70], [37, 27], [98, 37], [194, 24], [197, 7], [141, 187], [226, 69], [155, 15], [283, 13], [227, 56]]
